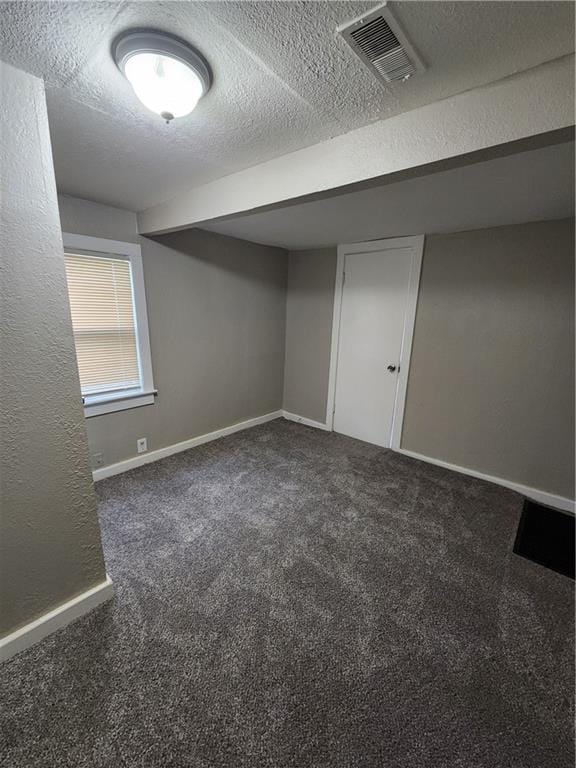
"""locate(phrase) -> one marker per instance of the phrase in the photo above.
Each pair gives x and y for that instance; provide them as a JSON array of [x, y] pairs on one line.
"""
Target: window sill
[[98, 405]]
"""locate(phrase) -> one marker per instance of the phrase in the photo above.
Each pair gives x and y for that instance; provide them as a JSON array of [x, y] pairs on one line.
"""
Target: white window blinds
[[103, 319]]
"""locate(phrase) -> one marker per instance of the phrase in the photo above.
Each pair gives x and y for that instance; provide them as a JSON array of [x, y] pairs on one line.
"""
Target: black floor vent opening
[[546, 536]]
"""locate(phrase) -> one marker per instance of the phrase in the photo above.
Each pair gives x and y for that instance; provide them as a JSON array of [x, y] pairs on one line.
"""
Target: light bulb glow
[[164, 84]]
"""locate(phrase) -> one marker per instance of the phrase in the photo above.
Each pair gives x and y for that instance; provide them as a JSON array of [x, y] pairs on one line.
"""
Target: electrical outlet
[[98, 459], [142, 444]]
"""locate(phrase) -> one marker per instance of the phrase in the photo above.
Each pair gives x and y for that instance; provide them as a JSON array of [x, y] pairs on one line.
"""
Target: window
[[108, 307]]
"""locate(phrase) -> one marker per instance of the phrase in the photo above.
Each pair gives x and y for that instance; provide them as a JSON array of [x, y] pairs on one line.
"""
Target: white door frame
[[414, 247]]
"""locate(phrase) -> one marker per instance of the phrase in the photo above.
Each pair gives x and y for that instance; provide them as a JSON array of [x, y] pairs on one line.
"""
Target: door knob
[[391, 368]]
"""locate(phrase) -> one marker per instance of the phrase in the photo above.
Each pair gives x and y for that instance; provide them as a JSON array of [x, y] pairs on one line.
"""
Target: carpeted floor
[[289, 597]]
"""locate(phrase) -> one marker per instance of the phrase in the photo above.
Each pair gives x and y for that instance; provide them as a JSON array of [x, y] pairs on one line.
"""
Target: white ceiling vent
[[377, 39]]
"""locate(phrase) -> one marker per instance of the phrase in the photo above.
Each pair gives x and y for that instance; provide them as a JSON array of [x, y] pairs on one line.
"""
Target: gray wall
[[309, 305], [216, 313], [491, 383], [50, 548]]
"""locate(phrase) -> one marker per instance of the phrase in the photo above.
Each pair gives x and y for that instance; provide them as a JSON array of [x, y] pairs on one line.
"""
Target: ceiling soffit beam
[[536, 101]]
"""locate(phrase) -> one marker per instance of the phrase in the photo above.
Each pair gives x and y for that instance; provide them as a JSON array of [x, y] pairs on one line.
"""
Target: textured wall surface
[[84, 217], [309, 306], [50, 548], [491, 383], [217, 315]]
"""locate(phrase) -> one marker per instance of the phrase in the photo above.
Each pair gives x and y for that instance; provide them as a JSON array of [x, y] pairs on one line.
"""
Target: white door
[[380, 282]]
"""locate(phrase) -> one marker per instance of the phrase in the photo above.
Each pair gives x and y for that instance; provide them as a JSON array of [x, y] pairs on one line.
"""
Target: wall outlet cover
[[142, 444], [98, 459]]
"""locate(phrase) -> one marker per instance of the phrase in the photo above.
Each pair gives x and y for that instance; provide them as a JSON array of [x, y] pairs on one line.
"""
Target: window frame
[[99, 404]]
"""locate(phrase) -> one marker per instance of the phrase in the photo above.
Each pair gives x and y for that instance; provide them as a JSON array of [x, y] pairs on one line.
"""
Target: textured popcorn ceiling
[[283, 80]]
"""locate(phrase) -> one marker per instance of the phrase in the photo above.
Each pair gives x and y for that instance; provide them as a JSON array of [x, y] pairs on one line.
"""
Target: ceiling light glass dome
[[168, 75]]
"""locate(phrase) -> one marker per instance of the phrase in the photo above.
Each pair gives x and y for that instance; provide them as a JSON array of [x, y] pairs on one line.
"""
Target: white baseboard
[[59, 617], [305, 421], [169, 450], [560, 502]]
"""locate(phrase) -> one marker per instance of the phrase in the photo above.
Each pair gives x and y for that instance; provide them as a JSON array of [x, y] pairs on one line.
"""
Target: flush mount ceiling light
[[168, 75]]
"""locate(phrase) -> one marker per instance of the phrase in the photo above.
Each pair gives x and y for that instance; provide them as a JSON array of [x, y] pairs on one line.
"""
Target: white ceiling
[[529, 186], [283, 80]]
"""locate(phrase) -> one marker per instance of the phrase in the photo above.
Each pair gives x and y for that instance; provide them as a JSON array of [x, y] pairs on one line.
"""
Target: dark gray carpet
[[288, 597]]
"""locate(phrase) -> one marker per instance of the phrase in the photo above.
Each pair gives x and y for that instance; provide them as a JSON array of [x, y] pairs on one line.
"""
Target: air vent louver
[[377, 39]]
